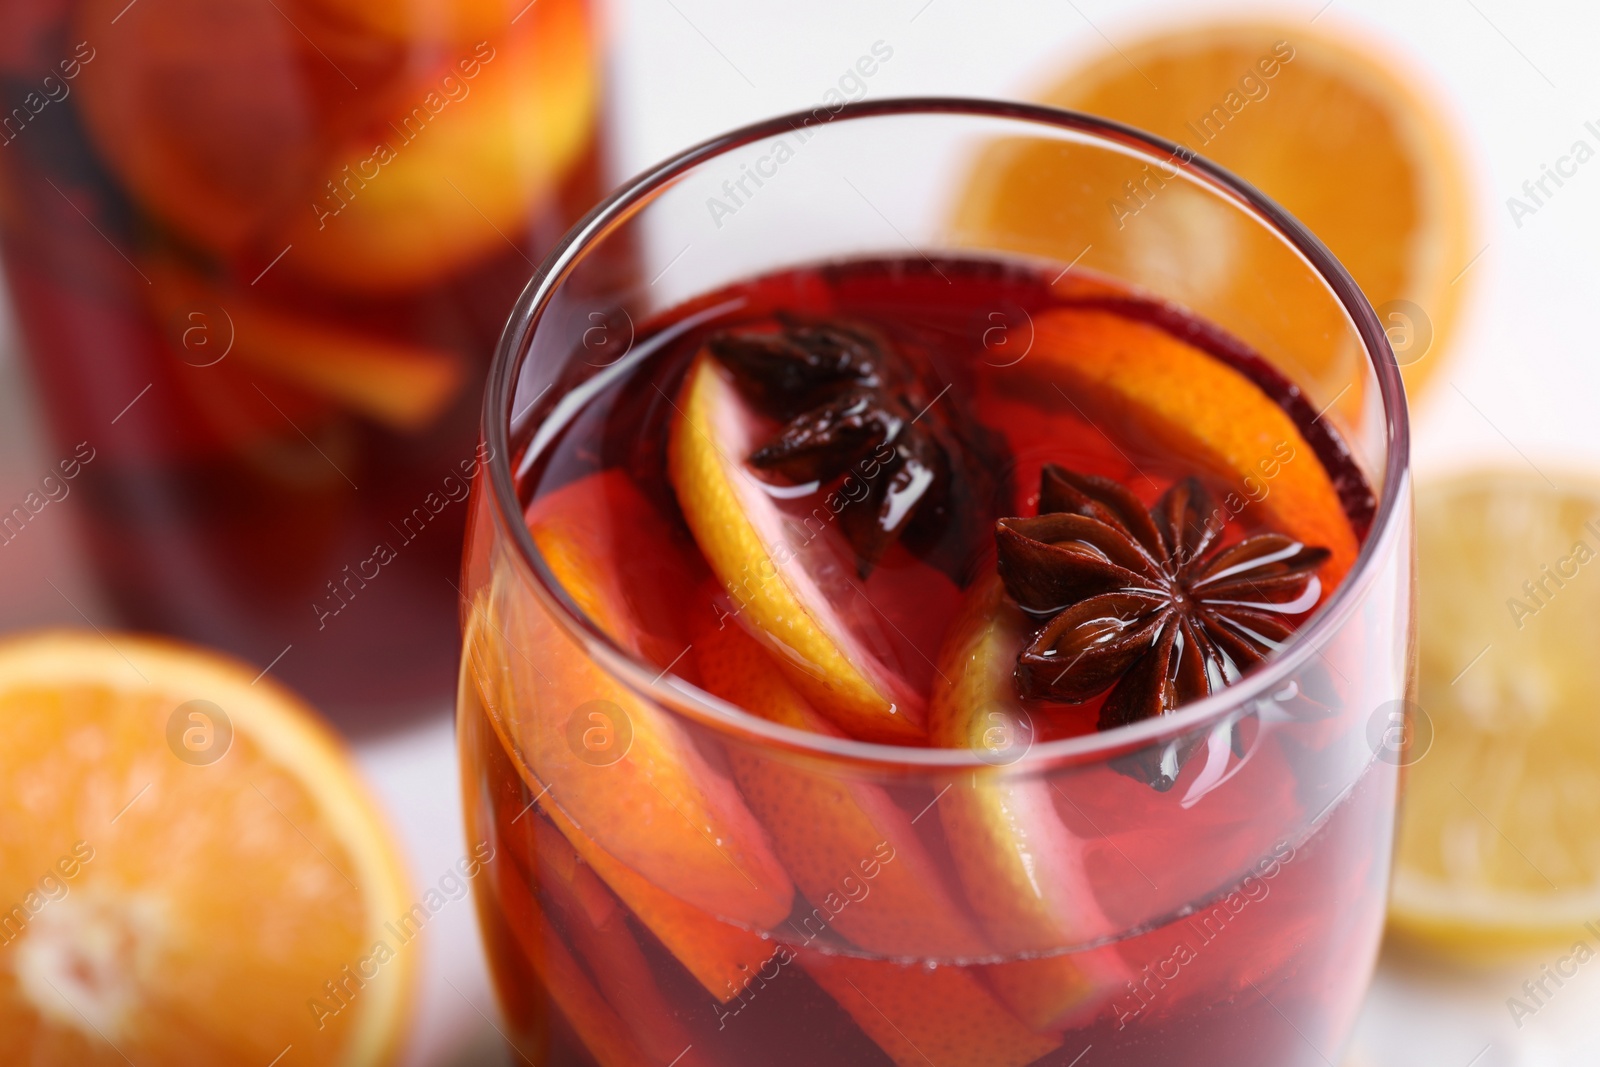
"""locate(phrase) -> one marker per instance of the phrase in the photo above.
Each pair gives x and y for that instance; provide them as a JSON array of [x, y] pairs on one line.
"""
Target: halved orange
[[1334, 127], [808, 610], [190, 868]]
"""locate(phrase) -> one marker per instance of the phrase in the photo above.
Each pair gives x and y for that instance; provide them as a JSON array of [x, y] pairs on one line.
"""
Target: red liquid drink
[[260, 253], [863, 502]]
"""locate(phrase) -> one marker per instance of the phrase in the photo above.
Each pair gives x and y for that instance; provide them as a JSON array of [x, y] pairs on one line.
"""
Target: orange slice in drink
[[1193, 405], [1022, 868], [192, 871], [585, 1008], [619, 771], [723, 958], [404, 386], [720, 956], [252, 141], [598, 929], [810, 615], [1004, 827], [920, 1015], [452, 174], [1334, 128], [854, 854]]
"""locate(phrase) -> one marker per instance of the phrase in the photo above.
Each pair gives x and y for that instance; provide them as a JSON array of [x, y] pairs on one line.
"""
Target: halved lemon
[[1334, 128], [1500, 843], [190, 869]]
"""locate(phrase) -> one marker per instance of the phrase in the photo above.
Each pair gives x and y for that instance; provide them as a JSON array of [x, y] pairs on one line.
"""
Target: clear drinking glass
[[1231, 919]]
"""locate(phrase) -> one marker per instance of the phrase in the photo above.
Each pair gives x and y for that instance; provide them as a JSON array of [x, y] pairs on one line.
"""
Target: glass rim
[[666, 690]]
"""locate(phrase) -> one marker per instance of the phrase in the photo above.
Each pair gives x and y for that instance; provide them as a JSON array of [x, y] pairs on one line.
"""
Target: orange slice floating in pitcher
[[404, 386], [192, 871], [451, 176], [194, 105], [453, 21], [810, 614]]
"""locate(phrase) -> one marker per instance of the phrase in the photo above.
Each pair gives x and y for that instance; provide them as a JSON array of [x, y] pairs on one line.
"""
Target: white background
[[1521, 386]]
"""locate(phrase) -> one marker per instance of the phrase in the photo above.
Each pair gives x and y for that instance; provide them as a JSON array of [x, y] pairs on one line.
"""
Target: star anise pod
[[1146, 603], [852, 406]]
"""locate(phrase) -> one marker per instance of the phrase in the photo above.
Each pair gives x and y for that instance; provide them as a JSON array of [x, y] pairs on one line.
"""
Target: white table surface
[[1521, 386]]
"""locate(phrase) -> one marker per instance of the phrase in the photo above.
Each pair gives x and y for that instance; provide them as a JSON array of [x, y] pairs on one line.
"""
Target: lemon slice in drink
[[1500, 844]]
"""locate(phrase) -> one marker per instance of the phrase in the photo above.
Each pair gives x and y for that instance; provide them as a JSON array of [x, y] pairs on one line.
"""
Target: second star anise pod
[[1146, 603], [851, 405]]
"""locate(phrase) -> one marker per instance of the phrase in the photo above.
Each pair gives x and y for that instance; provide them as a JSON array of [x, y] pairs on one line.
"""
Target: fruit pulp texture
[[244, 262], [1264, 970]]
